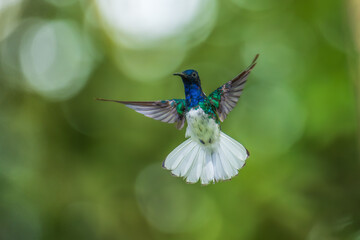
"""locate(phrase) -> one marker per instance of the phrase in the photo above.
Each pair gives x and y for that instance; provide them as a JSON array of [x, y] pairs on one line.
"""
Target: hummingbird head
[[189, 77]]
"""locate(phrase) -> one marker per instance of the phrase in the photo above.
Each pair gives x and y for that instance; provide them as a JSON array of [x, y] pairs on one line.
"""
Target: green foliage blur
[[75, 168]]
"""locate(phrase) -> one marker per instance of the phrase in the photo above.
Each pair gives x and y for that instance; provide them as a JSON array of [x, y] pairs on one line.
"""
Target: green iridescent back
[[205, 105], [180, 105], [209, 109], [215, 97]]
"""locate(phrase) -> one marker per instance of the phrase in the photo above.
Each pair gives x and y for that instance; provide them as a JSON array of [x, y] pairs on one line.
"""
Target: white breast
[[202, 128]]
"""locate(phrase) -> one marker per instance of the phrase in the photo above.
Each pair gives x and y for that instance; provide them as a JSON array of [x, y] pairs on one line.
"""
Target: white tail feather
[[219, 161]]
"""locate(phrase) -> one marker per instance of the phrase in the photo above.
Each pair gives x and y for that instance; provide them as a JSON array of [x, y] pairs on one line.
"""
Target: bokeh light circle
[[142, 23], [9, 13], [54, 59]]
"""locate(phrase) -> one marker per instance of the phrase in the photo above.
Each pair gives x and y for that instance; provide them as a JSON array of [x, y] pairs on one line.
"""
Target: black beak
[[179, 74]]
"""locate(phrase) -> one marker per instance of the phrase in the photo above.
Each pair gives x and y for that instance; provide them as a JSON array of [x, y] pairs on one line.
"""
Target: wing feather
[[225, 98], [170, 111]]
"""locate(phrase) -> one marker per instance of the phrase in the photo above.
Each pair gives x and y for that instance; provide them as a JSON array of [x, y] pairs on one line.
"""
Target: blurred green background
[[75, 168]]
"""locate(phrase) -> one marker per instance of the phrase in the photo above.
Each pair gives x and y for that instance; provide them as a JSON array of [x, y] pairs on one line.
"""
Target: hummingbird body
[[208, 155], [202, 127]]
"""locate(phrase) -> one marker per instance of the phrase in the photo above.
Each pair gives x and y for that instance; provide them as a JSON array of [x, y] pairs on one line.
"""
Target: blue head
[[189, 77], [192, 84]]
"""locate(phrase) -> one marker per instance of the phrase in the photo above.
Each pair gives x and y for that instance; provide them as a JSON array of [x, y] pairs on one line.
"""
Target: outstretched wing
[[169, 111], [225, 97]]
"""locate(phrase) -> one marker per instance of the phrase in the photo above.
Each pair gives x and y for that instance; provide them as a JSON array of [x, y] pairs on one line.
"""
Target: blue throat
[[193, 94]]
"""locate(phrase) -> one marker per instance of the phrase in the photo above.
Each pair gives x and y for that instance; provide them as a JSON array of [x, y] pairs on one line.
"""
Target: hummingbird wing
[[225, 97], [169, 111]]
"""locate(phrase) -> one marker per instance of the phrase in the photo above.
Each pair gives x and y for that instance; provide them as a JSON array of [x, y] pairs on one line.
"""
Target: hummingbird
[[208, 155]]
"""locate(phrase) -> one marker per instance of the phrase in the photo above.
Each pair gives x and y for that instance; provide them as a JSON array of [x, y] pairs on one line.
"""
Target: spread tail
[[220, 161]]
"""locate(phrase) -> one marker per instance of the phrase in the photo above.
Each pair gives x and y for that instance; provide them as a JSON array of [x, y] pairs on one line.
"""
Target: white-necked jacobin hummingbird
[[209, 154]]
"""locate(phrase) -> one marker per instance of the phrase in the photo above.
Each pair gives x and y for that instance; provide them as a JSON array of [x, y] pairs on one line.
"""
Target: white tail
[[220, 161]]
